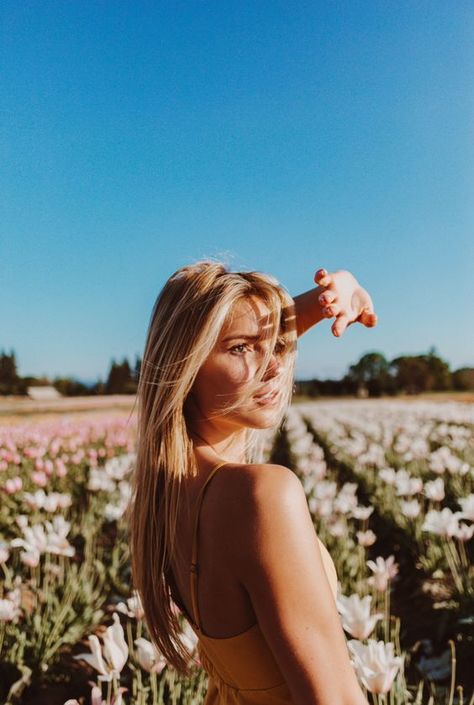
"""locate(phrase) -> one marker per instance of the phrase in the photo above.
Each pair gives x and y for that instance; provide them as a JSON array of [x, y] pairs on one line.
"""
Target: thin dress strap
[[194, 563]]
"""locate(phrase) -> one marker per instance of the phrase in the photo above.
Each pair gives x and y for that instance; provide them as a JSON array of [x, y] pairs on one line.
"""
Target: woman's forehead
[[251, 316]]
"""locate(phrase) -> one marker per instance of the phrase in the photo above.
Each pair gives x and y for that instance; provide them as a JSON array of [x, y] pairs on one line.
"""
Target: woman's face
[[233, 363]]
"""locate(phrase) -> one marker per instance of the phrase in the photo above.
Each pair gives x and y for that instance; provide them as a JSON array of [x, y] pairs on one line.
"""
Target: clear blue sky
[[284, 136]]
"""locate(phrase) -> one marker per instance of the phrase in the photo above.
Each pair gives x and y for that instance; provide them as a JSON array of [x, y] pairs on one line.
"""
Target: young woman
[[227, 538]]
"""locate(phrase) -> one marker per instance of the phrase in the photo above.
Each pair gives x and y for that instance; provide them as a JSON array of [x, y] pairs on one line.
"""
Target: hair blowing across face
[[185, 324]]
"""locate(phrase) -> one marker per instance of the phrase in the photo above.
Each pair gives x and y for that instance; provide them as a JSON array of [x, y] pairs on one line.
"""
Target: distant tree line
[[122, 378], [373, 375]]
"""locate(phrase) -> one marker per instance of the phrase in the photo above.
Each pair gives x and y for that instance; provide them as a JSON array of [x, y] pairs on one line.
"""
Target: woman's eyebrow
[[234, 336]]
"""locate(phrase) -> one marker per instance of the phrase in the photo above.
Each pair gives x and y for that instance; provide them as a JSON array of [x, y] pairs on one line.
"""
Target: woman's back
[[235, 653]]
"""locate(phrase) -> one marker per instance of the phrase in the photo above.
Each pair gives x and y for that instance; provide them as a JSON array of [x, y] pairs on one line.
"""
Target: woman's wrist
[[308, 309]]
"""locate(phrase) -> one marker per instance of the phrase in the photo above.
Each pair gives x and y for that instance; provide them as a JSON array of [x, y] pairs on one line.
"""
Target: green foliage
[[121, 379], [463, 379], [71, 387], [373, 375], [421, 373], [10, 383]]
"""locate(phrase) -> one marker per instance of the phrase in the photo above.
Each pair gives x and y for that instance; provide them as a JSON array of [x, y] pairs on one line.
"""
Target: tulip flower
[[133, 608], [366, 538], [110, 661], [384, 570], [9, 610], [443, 523], [467, 504], [410, 509], [4, 552], [375, 664], [355, 615], [464, 532], [435, 489], [148, 657], [362, 512]]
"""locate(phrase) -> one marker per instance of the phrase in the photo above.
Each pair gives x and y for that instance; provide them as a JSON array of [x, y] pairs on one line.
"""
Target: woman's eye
[[238, 348]]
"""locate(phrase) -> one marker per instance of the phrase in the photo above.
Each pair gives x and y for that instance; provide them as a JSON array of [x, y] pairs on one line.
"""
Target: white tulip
[[115, 652], [133, 608], [362, 512], [407, 486], [435, 489], [464, 532], [443, 523], [411, 508], [375, 664], [366, 538], [388, 475], [9, 610], [148, 657], [115, 646], [355, 615], [384, 570], [467, 504], [4, 552]]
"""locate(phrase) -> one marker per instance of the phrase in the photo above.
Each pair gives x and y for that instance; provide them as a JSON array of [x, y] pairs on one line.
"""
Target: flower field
[[390, 486]]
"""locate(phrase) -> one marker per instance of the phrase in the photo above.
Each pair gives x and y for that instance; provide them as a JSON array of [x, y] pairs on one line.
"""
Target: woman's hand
[[344, 299]]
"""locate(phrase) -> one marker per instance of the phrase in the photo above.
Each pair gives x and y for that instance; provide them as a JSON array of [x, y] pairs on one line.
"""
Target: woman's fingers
[[322, 277], [368, 318], [340, 325], [327, 297], [343, 300], [332, 310]]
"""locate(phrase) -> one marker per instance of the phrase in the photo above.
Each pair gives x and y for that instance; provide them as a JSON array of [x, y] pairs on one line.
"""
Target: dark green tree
[[463, 379], [10, 382], [372, 373], [137, 368], [421, 373], [120, 379]]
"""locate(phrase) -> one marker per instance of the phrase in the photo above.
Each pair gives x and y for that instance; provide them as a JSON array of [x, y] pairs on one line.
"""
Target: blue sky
[[282, 136]]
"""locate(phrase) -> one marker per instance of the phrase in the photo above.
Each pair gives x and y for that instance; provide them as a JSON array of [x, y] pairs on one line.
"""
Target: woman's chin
[[263, 418]]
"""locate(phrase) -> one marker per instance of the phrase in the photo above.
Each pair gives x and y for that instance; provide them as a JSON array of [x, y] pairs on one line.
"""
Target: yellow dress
[[241, 668]]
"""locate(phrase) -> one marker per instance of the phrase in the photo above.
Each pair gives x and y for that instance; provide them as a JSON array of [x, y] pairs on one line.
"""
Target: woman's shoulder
[[253, 481], [258, 493]]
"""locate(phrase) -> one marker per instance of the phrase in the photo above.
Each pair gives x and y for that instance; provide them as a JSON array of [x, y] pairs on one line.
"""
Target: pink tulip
[[39, 478]]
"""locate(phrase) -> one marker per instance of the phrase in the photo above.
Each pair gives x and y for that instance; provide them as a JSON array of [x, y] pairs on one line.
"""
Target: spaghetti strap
[[194, 564]]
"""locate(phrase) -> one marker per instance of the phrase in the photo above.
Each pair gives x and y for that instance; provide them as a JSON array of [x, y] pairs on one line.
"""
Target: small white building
[[43, 393]]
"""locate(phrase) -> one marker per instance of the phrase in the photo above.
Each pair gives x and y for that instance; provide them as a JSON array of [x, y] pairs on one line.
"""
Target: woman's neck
[[212, 444]]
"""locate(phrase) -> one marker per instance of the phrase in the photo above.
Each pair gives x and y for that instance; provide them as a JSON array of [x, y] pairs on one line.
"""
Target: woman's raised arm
[[337, 295]]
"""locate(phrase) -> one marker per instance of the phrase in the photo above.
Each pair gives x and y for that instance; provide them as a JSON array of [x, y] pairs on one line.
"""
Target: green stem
[[463, 554], [109, 691], [129, 637], [387, 613], [453, 672], [154, 688], [452, 567]]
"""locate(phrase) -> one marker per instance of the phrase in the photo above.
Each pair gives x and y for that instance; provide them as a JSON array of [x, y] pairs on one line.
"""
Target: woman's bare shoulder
[[257, 493], [255, 474], [254, 483]]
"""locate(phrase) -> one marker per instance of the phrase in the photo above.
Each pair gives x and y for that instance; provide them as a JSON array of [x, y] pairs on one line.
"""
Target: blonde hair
[[185, 325]]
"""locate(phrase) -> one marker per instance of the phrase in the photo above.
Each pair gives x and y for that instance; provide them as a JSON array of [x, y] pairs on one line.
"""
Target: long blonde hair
[[185, 324]]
